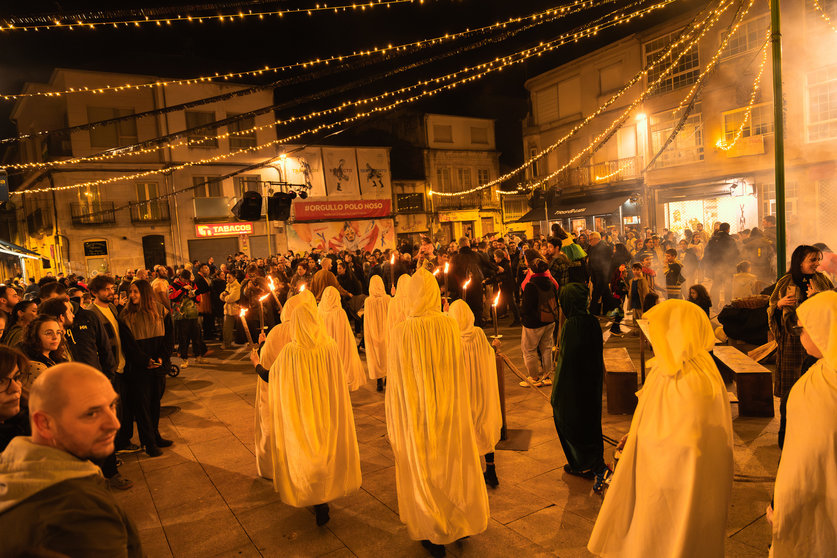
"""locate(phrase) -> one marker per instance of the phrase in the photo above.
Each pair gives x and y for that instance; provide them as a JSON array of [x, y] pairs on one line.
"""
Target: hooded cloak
[[400, 304], [277, 338], [480, 368], [441, 490], [313, 440], [375, 333], [805, 495], [670, 492], [337, 326], [577, 391]]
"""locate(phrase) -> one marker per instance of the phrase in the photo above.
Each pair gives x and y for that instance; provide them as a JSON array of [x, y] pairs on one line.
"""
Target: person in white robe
[[313, 440], [338, 327], [671, 489], [277, 338], [441, 493], [805, 495], [399, 305], [480, 366], [375, 333]]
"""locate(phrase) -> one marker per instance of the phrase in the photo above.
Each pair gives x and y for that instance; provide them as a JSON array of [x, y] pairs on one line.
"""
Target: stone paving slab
[[203, 497]]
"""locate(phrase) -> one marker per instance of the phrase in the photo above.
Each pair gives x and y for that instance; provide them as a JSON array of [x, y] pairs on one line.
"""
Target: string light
[[824, 15], [547, 16], [488, 67], [703, 26], [727, 145], [612, 174], [9, 24], [498, 64]]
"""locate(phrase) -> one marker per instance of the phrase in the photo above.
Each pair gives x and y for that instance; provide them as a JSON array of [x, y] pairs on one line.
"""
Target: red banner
[[224, 229], [338, 210]]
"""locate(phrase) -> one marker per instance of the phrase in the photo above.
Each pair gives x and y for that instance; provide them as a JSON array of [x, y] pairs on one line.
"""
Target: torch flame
[[392, 259], [270, 282], [436, 272], [302, 287], [447, 266], [467, 283], [496, 300], [242, 313], [262, 299]]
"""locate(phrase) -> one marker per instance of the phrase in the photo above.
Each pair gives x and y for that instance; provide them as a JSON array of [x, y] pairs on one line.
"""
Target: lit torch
[[273, 291], [392, 272], [447, 291], [494, 313], [302, 287], [261, 311], [436, 272], [465, 287], [246, 327]]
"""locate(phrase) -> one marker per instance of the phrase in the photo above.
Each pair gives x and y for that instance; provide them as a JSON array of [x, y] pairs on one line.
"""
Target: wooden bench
[[754, 382], [620, 376]]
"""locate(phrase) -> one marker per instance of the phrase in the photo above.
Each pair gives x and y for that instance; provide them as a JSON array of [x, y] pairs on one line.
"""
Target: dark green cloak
[[577, 391]]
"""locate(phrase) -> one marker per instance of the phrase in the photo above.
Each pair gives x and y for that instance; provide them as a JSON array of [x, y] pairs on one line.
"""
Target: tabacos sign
[[224, 229]]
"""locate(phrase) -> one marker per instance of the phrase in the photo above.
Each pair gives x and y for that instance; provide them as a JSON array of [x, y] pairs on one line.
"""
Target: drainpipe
[[59, 257]]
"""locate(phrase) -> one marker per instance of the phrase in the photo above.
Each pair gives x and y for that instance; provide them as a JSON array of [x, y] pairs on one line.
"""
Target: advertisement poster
[[373, 172], [364, 235], [340, 168], [306, 167], [345, 210]]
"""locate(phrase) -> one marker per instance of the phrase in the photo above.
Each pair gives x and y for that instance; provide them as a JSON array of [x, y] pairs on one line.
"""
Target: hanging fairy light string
[[480, 71], [688, 38], [549, 15], [824, 15], [727, 145], [42, 23], [485, 68]]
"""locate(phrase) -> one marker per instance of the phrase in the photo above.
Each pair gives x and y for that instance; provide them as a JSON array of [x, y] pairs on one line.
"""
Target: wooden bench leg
[[755, 394], [621, 393]]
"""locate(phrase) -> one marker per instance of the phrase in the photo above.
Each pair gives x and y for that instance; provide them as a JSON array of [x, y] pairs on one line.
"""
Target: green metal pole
[[779, 136]]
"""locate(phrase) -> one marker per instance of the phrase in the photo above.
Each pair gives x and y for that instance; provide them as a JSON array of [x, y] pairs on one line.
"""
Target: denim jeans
[[533, 340]]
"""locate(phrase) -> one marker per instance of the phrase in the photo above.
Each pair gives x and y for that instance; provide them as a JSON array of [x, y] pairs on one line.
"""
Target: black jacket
[[89, 342], [466, 262], [530, 313], [721, 251]]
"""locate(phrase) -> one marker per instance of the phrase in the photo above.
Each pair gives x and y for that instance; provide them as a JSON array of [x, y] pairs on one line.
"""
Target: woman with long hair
[[148, 349], [21, 315], [42, 346], [700, 296], [14, 419]]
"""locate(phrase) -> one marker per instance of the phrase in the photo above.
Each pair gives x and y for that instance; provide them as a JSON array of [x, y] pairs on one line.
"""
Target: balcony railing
[[606, 172], [483, 199], [212, 208], [150, 212], [96, 213]]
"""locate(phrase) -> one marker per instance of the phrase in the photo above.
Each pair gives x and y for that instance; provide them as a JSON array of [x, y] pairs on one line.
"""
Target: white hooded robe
[[480, 366], [441, 490], [672, 486], [337, 326], [375, 333], [313, 439], [276, 340], [805, 495]]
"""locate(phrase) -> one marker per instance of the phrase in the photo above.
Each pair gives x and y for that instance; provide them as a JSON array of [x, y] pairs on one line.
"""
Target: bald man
[[52, 497]]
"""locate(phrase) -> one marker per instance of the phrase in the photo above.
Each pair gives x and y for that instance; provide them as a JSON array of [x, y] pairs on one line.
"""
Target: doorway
[[154, 250]]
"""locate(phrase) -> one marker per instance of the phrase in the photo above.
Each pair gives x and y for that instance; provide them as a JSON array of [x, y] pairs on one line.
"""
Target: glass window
[[685, 73], [204, 137], [207, 186], [479, 135], [412, 202], [822, 104], [687, 145], [245, 140], [760, 122], [464, 178], [443, 133], [483, 176], [247, 184], [443, 180], [749, 36], [117, 134]]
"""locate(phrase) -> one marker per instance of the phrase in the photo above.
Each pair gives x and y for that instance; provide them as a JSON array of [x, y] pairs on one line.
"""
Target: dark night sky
[[186, 50]]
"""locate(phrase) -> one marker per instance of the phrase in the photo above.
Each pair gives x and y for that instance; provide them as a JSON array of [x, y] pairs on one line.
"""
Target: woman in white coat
[[277, 338], [337, 325], [670, 492], [480, 366], [375, 332], [313, 439], [805, 495]]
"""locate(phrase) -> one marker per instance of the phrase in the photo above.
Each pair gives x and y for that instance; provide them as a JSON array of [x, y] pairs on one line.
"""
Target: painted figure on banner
[[374, 177], [364, 235], [341, 174], [340, 164]]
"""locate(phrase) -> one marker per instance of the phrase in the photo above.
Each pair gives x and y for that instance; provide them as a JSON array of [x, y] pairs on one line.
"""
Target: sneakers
[[602, 480], [546, 381], [531, 382], [321, 512], [490, 476], [118, 482], [184, 363], [583, 474], [128, 448], [153, 451]]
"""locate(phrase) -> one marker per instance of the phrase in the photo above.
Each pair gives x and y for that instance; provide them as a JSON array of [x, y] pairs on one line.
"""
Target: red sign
[[337, 210], [224, 229]]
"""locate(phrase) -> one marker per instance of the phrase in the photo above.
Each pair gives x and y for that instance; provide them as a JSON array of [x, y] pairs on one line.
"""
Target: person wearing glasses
[[42, 345], [14, 420]]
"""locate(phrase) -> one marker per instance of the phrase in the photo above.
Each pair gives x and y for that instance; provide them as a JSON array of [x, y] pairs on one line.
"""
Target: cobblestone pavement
[[202, 497]]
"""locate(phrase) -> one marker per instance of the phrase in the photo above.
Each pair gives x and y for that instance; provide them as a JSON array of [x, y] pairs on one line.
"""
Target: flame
[[436, 272], [302, 287], [447, 266], [465, 286], [262, 299], [392, 259], [496, 300], [271, 283], [242, 313]]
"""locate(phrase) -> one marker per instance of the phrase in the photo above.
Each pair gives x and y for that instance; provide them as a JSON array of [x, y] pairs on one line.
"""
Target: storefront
[[219, 240], [585, 214], [732, 202], [13, 260]]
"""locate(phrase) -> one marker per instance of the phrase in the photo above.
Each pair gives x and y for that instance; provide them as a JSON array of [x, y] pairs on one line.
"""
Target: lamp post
[[778, 136]]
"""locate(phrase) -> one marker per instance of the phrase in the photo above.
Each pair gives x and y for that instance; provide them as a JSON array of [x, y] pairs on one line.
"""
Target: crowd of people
[[82, 361]]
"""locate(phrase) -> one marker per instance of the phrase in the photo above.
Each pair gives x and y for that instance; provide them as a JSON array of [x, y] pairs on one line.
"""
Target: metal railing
[[150, 212], [483, 199], [94, 213], [606, 172]]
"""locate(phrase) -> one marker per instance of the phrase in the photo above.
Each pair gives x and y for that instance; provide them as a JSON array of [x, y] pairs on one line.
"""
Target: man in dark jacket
[[600, 257], [467, 264], [719, 259], [203, 292], [54, 501]]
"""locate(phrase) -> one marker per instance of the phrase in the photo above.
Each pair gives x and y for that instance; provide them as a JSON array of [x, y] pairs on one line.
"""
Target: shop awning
[[15, 250], [578, 208]]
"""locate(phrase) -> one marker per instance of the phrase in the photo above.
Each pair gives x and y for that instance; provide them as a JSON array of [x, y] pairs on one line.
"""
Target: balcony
[[483, 199], [208, 209], [150, 212], [38, 221], [606, 172], [94, 213]]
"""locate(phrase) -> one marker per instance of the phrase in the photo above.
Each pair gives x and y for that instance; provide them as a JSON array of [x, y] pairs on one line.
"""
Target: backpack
[[548, 311]]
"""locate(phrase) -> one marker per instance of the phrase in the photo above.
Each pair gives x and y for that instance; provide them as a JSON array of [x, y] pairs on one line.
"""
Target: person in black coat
[[467, 264], [504, 279], [719, 259]]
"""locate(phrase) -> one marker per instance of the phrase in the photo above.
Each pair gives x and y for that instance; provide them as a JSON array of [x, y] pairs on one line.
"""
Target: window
[[412, 202], [483, 176], [463, 178], [89, 197], [822, 104], [687, 145], [685, 73], [443, 180], [117, 134], [146, 191], [535, 168], [749, 36], [247, 184], [569, 97], [442, 133], [207, 186], [198, 138], [149, 208], [610, 78], [242, 141], [479, 135], [546, 105], [767, 197], [514, 207], [760, 122]]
